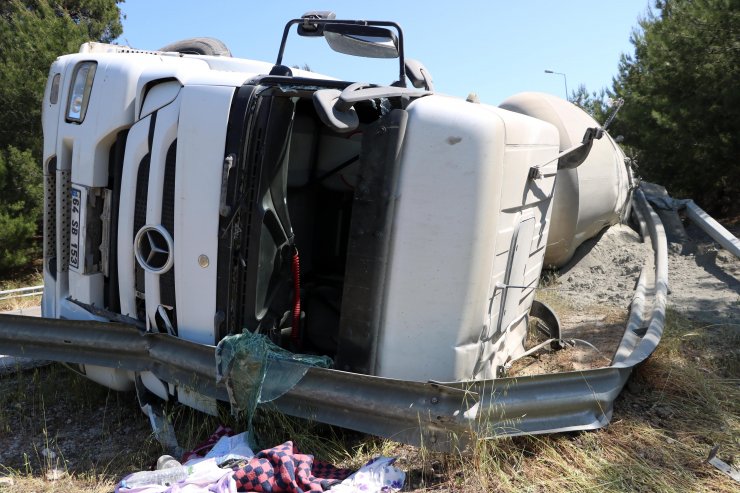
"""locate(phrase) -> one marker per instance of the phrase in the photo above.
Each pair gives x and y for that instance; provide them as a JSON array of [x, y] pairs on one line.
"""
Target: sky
[[494, 48]]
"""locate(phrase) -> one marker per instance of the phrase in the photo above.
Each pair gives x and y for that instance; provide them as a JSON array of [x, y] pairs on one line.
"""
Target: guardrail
[[442, 416], [714, 229], [11, 294]]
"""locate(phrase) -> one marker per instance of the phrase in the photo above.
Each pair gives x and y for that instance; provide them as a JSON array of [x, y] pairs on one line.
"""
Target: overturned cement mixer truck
[[383, 242]]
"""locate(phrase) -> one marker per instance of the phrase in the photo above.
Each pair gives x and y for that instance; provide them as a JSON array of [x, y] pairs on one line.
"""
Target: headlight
[[79, 94]]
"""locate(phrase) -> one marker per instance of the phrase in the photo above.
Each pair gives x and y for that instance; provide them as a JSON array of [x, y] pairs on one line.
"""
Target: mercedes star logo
[[153, 249]]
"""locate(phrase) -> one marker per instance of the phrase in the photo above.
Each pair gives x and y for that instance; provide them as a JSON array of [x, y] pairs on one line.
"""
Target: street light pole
[[565, 81]]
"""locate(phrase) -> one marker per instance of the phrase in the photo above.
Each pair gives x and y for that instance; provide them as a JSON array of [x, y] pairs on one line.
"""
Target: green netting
[[255, 370]]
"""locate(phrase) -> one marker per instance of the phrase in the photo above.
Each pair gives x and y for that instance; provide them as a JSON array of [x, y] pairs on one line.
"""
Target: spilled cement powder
[[604, 269]]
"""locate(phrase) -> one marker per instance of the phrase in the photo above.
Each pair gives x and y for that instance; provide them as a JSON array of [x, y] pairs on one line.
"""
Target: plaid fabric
[[283, 469], [328, 471]]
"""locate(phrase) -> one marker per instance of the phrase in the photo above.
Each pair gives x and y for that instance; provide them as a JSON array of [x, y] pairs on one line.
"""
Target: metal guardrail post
[[10, 294], [714, 229]]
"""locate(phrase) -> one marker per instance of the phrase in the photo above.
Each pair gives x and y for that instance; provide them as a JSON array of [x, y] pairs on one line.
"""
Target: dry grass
[[61, 432], [31, 277], [679, 404], [65, 484]]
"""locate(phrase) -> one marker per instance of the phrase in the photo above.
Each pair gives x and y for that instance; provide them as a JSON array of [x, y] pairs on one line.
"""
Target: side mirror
[[360, 40]]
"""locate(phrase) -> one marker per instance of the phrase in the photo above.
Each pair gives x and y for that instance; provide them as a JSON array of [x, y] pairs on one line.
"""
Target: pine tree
[[682, 100], [32, 34]]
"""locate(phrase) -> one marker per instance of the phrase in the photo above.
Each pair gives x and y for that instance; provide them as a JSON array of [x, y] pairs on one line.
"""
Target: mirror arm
[[572, 157], [402, 63], [576, 155], [286, 32]]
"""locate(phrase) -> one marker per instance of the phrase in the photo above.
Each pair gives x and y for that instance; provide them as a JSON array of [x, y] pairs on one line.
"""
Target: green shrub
[[21, 200]]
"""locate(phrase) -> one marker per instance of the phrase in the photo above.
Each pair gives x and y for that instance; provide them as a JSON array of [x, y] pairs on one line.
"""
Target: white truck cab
[[398, 231]]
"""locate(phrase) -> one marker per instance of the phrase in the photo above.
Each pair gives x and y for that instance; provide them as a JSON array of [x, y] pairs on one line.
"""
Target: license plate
[[74, 223]]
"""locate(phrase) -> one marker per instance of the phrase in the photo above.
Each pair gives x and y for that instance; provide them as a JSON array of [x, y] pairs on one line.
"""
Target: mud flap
[[162, 427]]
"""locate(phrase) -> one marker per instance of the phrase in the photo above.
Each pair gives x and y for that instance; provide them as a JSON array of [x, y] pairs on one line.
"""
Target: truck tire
[[199, 46]]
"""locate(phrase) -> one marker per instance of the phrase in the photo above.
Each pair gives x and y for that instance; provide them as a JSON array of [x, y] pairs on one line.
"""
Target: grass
[[28, 277], [679, 404]]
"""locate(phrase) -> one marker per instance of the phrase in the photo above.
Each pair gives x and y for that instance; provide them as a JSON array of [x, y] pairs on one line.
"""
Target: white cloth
[[377, 476]]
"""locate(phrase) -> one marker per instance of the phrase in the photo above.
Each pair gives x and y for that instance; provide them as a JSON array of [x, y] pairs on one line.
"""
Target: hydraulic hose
[[295, 333]]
